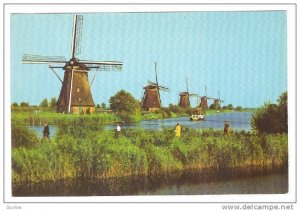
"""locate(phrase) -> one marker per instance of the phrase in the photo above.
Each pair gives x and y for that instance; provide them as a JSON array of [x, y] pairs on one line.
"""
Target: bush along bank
[[94, 153]]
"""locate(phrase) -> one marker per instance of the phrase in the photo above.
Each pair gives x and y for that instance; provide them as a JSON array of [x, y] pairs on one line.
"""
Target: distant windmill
[[203, 103], [184, 97], [151, 100], [218, 101], [75, 95]]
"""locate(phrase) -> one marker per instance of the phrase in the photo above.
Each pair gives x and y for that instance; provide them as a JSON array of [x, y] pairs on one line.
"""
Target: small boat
[[197, 117]]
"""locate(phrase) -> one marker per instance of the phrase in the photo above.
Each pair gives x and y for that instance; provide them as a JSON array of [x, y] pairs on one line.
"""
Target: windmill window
[[78, 89], [80, 99]]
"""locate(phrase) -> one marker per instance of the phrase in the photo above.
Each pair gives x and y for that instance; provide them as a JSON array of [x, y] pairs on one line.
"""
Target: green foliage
[[24, 104], [239, 108], [15, 104], [32, 118], [215, 106], [123, 101], [271, 118], [230, 106], [52, 102], [23, 137], [125, 105], [44, 103], [89, 151], [103, 105]]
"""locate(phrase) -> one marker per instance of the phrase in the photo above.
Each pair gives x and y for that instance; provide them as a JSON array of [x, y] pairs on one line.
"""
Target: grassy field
[[90, 152]]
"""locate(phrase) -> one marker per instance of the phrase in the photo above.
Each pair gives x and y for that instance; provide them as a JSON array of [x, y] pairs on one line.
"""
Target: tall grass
[[53, 118], [92, 152]]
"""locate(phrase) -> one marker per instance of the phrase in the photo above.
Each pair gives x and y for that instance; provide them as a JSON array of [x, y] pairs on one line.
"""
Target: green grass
[[53, 118], [93, 153]]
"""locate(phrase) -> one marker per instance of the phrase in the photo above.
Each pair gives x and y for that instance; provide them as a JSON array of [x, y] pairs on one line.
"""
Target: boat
[[197, 117]]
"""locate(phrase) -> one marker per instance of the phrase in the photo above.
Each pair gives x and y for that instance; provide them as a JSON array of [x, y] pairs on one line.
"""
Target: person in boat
[[226, 128], [117, 131], [177, 130], [46, 132]]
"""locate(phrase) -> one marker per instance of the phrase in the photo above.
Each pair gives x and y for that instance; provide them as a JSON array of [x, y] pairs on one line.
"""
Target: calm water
[[237, 120], [183, 184]]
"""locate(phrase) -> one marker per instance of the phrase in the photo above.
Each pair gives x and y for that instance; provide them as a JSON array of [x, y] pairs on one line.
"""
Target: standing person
[[177, 130], [117, 131], [46, 132], [226, 128]]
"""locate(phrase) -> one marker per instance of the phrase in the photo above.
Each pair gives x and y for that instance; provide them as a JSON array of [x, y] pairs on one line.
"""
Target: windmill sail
[[103, 65], [38, 59], [77, 35]]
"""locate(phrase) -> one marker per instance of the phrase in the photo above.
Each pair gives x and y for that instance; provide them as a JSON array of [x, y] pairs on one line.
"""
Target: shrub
[[23, 137], [271, 118]]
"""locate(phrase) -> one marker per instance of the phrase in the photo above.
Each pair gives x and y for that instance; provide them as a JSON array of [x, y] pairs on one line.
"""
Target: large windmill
[[75, 95], [151, 99], [184, 97]]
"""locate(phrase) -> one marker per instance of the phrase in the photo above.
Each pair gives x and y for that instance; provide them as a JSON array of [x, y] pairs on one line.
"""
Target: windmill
[[184, 97], [203, 102], [218, 101], [151, 100], [75, 95]]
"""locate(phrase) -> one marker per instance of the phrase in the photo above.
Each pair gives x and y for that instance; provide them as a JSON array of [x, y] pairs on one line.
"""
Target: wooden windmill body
[[184, 97], [184, 100], [217, 102], [75, 95], [204, 101], [151, 99]]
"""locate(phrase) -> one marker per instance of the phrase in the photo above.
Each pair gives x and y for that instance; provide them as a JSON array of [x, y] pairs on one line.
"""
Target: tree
[[230, 107], [24, 104], [124, 102], [271, 118], [52, 103], [15, 104], [239, 108], [103, 105], [44, 103], [212, 106]]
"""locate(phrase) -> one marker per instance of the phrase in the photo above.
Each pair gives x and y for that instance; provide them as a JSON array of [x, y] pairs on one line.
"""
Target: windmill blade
[[103, 65], [187, 85], [165, 89], [38, 59], [100, 62], [194, 95], [152, 83], [77, 35]]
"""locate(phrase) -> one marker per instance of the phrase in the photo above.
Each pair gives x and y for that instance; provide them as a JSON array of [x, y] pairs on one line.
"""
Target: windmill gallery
[[75, 95]]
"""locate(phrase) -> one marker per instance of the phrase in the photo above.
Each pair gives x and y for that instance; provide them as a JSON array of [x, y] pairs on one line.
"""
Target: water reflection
[[175, 184]]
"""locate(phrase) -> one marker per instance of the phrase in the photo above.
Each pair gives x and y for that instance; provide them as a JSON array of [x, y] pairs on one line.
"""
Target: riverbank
[[32, 118], [85, 152]]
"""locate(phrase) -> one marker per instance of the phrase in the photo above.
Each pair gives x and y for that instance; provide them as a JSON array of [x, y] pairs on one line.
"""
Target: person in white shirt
[[117, 131]]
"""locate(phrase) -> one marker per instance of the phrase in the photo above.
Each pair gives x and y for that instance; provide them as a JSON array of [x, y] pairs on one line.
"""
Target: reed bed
[[53, 118], [90, 152]]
